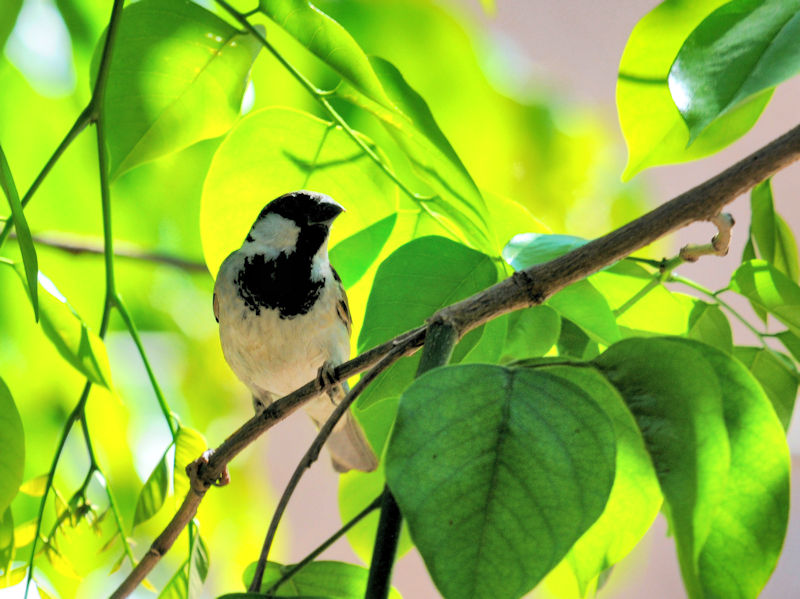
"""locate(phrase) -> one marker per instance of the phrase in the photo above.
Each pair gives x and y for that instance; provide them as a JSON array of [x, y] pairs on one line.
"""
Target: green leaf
[[528, 249], [329, 579], [70, 335], [276, 150], [7, 543], [498, 476], [12, 440], [708, 324], [331, 42], [456, 199], [177, 76], [791, 342], [772, 236], [742, 48], [189, 578], [654, 130], [353, 256], [674, 394], [769, 288], [531, 332], [9, 9], [754, 510], [189, 445], [24, 238], [586, 307], [153, 493], [410, 285], [34, 487], [635, 497], [575, 343], [777, 378]]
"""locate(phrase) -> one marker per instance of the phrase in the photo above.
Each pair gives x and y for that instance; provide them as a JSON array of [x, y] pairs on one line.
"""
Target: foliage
[[542, 452]]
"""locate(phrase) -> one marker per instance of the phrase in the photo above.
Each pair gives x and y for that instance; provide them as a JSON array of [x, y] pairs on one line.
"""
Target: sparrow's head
[[284, 219]]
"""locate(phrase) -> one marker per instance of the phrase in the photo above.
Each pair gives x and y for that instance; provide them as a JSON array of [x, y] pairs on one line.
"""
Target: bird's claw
[[326, 379], [194, 469]]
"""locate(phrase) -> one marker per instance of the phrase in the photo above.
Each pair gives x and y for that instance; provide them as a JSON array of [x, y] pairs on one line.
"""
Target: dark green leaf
[[472, 463], [24, 238], [333, 580], [9, 9], [635, 497], [177, 76], [770, 232], [12, 441], [755, 506], [331, 42], [531, 332], [528, 249], [654, 131], [586, 307], [457, 199], [742, 48], [7, 543], [65, 329], [776, 376], [574, 343], [708, 324], [411, 284], [276, 150], [791, 342], [676, 399], [769, 288], [154, 492], [353, 256]]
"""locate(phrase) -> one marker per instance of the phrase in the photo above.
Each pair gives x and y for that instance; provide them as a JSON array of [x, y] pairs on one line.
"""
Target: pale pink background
[[576, 45]]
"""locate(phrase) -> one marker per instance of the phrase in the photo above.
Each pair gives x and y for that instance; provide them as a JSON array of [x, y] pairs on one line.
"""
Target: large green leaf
[[154, 492], [276, 150], [708, 324], [654, 130], [177, 76], [498, 472], [12, 440], [754, 510], [531, 332], [675, 397], [767, 287], [331, 42], [456, 200], [70, 335], [354, 255], [411, 285], [770, 233], [24, 238], [777, 377], [332, 580], [739, 50], [635, 497], [586, 307]]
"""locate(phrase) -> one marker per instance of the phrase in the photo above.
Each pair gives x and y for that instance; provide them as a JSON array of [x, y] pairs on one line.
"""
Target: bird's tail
[[347, 444]]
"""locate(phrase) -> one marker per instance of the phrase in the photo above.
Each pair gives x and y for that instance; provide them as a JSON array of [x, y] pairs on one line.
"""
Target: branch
[[126, 251], [523, 289]]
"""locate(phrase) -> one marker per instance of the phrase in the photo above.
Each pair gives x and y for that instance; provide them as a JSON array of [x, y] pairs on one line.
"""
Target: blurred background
[[527, 98]]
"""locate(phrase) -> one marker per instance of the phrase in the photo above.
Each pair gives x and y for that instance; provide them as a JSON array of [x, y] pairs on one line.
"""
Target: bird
[[284, 318]]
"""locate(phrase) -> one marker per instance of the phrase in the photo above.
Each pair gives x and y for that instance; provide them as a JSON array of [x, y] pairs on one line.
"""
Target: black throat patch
[[283, 283]]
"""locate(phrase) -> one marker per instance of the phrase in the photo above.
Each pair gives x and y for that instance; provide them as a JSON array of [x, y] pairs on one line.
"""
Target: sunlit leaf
[[769, 288], [189, 445], [674, 394], [15, 576], [586, 307], [177, 76], [274, 151], [34, 487], [7, 541], [771, 234], [776, 376], [332, 580], [12, 441], [24, 533], [331, 42], [654, 130], [635, 497], [708, 324], [60, 563], [422, 276], [70, 335], [742, 48], [471, 464], [531, 332], [791, 342], [353, 256], [152, 495], [26, 247]]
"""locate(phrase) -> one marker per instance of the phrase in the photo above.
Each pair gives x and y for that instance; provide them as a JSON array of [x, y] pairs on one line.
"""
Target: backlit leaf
[[776, 376], [769, 288], [12, 441], [708, 324], [189, 445], [152, 495]]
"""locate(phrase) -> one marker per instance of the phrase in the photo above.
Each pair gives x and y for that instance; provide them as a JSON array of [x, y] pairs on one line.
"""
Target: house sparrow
[[283, 315]]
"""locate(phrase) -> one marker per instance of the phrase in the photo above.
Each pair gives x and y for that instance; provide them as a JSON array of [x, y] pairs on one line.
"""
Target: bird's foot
[[326, 379]]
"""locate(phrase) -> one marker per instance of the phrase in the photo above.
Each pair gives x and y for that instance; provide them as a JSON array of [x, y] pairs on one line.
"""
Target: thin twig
[[325, 544], [523, 289], [719, 243], [313, 452]]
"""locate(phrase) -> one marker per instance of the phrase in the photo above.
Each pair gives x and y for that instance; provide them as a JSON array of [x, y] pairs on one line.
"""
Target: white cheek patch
[[278, 233]]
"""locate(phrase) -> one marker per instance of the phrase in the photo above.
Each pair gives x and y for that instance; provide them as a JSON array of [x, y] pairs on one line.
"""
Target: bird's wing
[[342, 307]]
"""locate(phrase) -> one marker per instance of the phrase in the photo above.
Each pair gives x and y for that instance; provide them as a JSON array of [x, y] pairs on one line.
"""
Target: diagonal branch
[[523, 289]]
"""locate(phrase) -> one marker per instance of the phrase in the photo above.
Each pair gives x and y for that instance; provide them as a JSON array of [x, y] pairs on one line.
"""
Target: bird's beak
[[327, 212]]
